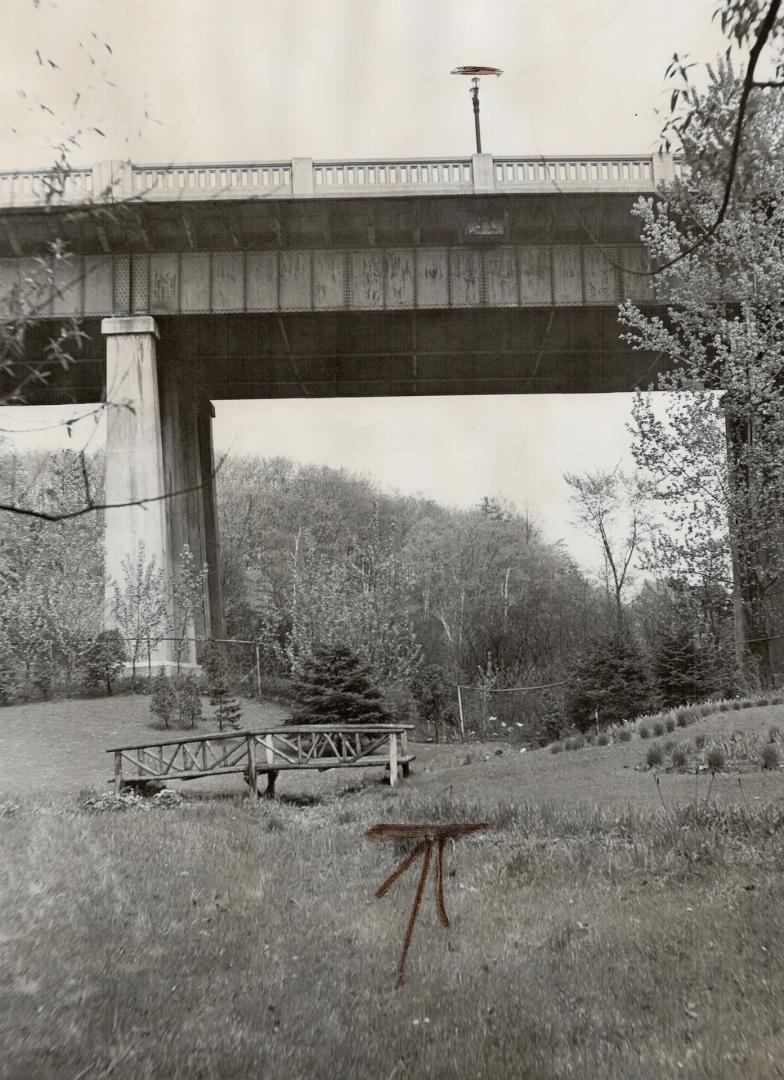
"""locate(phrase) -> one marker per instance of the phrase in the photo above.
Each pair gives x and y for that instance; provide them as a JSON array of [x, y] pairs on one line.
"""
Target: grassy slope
[[223, 940]]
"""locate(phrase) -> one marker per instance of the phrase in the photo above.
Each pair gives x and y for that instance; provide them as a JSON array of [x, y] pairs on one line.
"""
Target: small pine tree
[[227, 709], [163, 703], [680, 668], [188, 702], [610, 684], [335, 687], [104, 660]]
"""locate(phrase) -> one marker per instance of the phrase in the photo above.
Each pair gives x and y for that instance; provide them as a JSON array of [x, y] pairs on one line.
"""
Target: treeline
[[428, 597]]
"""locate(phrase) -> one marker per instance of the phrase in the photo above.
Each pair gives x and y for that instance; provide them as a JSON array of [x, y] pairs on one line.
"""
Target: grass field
[[594, 934]]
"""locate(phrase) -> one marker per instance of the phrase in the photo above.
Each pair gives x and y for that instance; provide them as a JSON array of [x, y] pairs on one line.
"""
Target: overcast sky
[[196, 80]]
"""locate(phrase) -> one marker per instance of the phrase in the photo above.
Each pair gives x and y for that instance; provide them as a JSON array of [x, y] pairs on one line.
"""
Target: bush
[[670, 723], [679, 757], [669, 746], [699, 741], [644, 731], [715, 759], [104, 660], [434, 695], [681, 717], [609, 683], [163, 703], [624, 734], [769, 757], [658, 727], [188, 702], [773, 734], [654, 756], [603, 739], [556, 748]]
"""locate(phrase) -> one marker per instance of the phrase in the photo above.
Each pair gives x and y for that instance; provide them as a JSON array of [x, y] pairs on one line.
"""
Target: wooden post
[[258, 669], [393, 759], [404, 753], [118, 771], [460, 711], [252, 789]]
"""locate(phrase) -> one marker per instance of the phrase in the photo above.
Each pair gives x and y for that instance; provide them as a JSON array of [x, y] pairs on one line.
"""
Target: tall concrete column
[[134, 454]]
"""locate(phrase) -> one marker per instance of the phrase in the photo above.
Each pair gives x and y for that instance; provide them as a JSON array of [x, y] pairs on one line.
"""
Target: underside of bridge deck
[[329, 354]]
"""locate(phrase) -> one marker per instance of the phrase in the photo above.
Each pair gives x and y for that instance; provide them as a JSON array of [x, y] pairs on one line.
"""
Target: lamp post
[[475, 72]]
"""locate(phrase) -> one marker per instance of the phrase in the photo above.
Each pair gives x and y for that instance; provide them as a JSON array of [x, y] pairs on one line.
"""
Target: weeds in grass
[[774, 734], [681, 718], [556, 748], [644, 731], [669, 746], [603, 739], [670, 723], [699, 741], [679, 757], [769, 756], [658, 728], [715, 759], [655, 756], [624, 734]]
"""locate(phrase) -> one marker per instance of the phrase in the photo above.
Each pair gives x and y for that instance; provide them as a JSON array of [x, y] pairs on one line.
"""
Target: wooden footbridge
[[269, 751]]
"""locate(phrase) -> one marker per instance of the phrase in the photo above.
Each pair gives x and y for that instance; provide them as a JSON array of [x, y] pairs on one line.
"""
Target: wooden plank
[[262, 733], [252, 787]]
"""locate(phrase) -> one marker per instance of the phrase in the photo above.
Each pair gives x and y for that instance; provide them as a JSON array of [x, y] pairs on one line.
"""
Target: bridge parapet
[[305, 178]]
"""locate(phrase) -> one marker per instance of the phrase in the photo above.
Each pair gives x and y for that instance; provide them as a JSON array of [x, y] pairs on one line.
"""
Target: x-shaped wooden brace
[[427, 835]]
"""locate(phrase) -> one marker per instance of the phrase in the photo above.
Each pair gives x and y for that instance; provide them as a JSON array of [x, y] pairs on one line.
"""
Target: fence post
[[460, 711], [252, 781], [393, 759], [258, 669], [118, 772]]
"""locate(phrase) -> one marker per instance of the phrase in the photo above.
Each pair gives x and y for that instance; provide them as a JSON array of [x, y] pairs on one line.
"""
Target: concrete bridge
[[307, 278]]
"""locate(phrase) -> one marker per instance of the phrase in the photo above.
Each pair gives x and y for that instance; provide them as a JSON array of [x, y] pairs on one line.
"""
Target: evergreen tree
[[227, 709], [163, 702], [609, 684], [335, 687], [680, 667], [434, 694]]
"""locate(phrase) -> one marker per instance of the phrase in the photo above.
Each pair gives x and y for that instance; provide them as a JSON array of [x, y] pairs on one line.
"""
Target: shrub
[[670, 723], [679, 757], [603, 739], [104, 660], [163, 702], [588, 738], [669, 746], [188, 702], [769, 757], [644, 731], [773, 734], [699, 741], [654, 756], [681, 718], [658, 727], [624, 734], [556, 748], [434, 694], [715, 759]]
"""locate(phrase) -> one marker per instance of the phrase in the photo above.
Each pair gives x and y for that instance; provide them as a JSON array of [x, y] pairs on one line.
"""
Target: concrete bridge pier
[[158, 449]]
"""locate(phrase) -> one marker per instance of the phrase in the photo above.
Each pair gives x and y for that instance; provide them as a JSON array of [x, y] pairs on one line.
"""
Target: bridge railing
[[115, 181]]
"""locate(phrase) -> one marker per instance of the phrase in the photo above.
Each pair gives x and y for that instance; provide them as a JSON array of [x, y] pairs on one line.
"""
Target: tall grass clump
[[715, 758], [655, 755]]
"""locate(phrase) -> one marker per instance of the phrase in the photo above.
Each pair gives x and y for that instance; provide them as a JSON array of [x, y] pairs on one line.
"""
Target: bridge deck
[[269, 751]]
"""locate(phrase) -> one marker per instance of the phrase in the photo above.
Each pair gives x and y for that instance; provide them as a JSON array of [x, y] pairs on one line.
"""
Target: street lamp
[[475, 72]]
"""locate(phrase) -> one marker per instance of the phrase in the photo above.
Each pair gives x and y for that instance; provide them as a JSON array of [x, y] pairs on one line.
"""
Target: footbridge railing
[[268, 751]]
